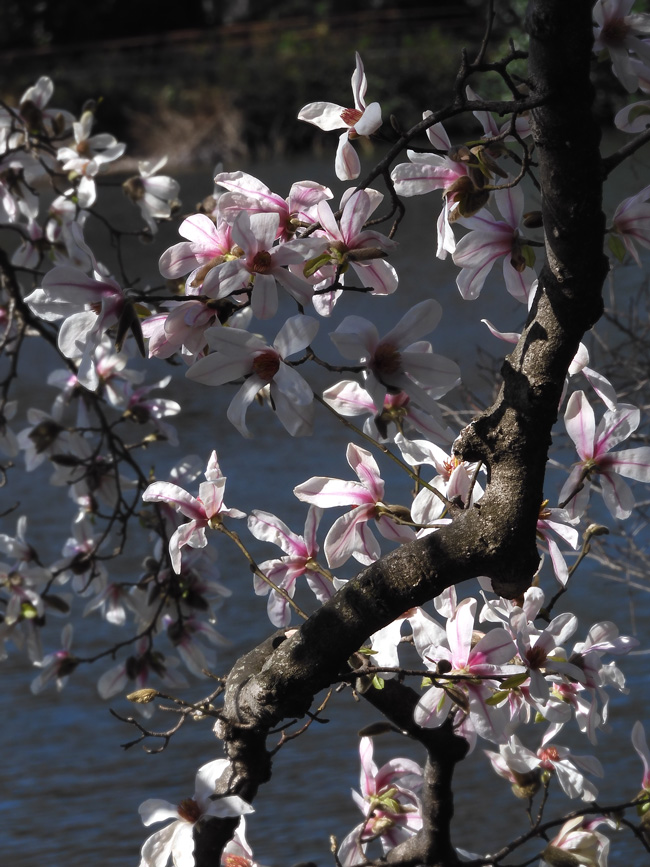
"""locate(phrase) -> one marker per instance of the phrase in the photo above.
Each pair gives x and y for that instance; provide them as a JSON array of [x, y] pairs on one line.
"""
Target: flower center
[[548, 755], [536, 657], [387, 360], [262, 262], [350, 116], [230, 860], [614, 32], [266, 364], [189, 810]]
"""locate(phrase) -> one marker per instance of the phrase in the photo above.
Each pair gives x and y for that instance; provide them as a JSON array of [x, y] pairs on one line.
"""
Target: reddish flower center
[[266, 364], [350, 116], [262, 262], [614, 32], [548, 755], [189, 810], [387, 360], [536, 657], [229, 860]]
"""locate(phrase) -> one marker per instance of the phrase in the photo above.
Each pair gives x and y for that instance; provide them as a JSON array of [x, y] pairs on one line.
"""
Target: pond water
[[70, 794]]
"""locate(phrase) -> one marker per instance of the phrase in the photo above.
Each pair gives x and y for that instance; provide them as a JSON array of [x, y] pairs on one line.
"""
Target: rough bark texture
[[279, 679]]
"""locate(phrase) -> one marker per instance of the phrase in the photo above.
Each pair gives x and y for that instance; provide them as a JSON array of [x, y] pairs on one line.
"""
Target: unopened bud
[[526, 785], [142, 696], [533, 220], [560, 857], [595, 530]]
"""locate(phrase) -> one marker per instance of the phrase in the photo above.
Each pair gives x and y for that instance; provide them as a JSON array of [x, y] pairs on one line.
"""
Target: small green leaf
[[515, 681], [528, 255], [617, 246], [378, 682]]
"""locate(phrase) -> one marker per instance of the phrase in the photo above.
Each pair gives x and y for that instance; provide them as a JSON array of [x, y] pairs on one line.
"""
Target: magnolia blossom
[[558, 760], [205, 511], [399, 361], [300, 559], [594, 445], [208, 245], [618, 31], [491, 239], [88, 155], [427, 172], [262, 263], [56, 666], [631, 223], [350, 535], [154, 194], [389, 801], [560, 522], [241, 354], [357, 121], [481, 662], [34, 113], [177, 840], [88, 306], [246, 193], [577, 843], [348, 398], [137, 668], [352, 245]]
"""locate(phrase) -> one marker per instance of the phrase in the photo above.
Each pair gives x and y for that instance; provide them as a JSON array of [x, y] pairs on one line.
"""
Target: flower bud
[[142, 696], [560, 857]]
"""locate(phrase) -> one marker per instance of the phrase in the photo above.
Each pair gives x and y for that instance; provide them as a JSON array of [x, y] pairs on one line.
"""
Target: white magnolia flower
[[177, 839]]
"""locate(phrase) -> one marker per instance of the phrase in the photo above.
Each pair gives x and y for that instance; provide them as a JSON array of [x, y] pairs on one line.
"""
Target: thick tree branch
[[497, 536]]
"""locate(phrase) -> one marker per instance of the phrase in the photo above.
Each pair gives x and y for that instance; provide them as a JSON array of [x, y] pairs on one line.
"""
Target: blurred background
[[224, 79]]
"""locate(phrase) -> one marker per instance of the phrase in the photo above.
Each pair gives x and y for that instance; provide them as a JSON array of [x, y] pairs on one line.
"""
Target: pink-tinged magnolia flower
[[88, 307], [348, 398], [137, 668], [185, 634], [350, 535], [205, 511], [237, 852], [579, 844], [56, 666], [399, 361], [389, 802], [631, 223], [246, 193], [208, 246], [481, 662], [560, 522], [176, 840], [640, 744], [34, 113], [456, 479], [154, 194], [427, 172], [489, 240], [87, 157], [357, 121], [262, 264], [594, 445], [617, 31], [558, 760], [351, 244], [301, 556], [490, 127], [241, 354]]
